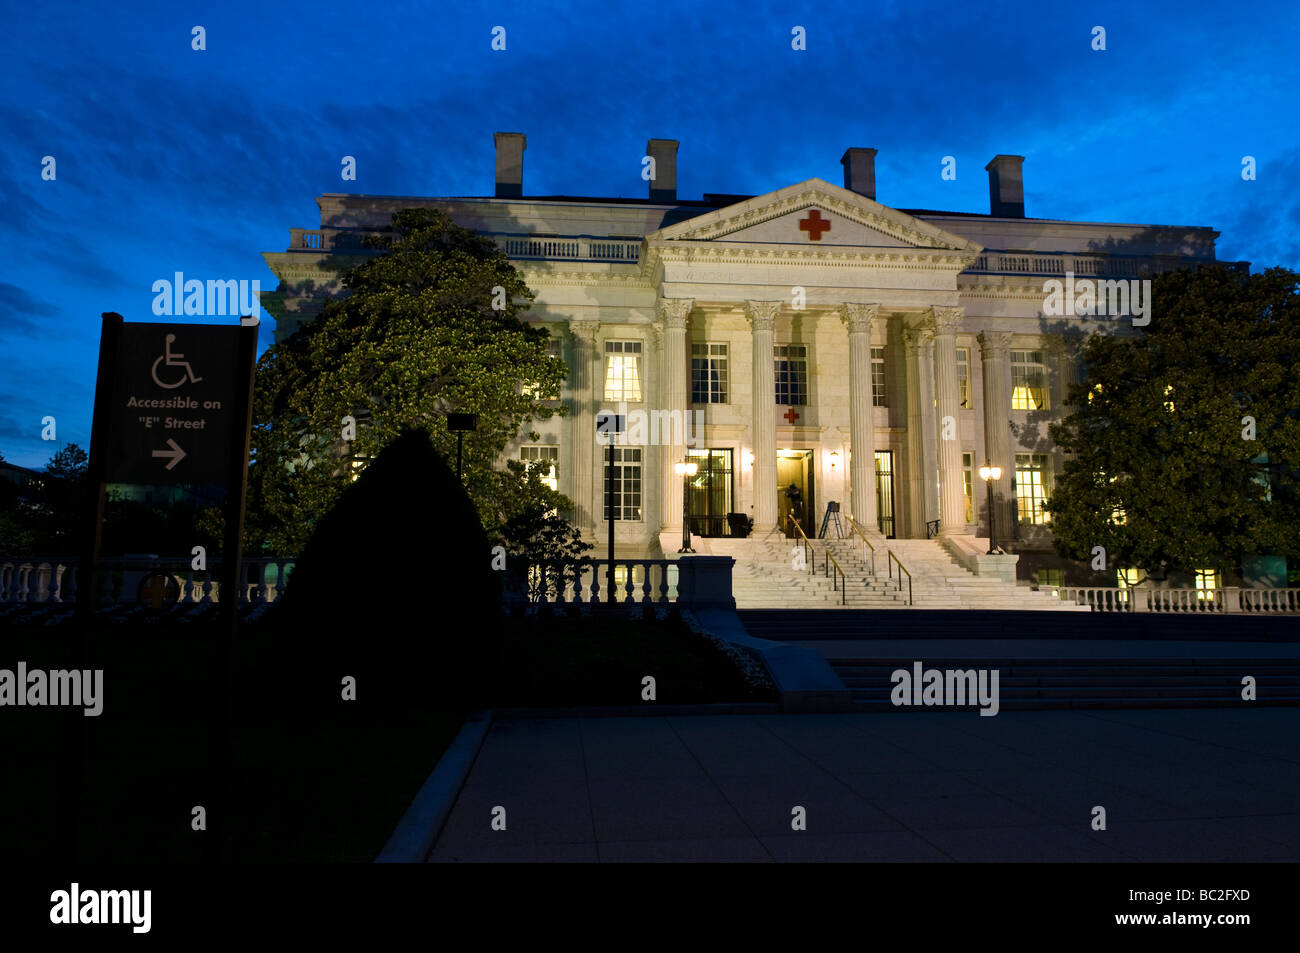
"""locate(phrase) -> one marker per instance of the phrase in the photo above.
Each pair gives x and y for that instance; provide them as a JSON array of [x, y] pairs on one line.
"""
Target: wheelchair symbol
[[168, 359]]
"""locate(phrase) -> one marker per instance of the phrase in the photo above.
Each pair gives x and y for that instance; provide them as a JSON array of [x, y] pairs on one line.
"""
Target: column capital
[[947, 320], [916, 337], [858, 317], [674, 311], [657, 329], [762, 314], [584, 330], [994, 342]]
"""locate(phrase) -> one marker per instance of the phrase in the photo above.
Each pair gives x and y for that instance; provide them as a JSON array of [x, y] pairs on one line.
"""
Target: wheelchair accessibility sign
[[173, 403]]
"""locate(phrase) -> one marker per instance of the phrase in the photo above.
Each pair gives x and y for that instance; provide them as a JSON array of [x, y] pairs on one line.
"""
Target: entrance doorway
[[709, 499], [885, 492], [796, 467]]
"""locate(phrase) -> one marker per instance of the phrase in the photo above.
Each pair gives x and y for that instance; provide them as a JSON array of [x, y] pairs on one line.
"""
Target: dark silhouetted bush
[[395, 587]]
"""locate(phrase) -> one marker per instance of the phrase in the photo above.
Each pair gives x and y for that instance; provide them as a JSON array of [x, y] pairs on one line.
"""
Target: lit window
[[967, 479], [1028, 381], [963, 377], [545, 460], [1032, 475], [791, 375], [627, 483], [1126, 579], [878, 377], [623, 371], [1207, 580], [1050, 577], [708, 373], [534, 390]]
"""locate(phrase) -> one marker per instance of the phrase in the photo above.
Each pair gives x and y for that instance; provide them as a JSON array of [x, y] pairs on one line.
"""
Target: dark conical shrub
[[396, 588]]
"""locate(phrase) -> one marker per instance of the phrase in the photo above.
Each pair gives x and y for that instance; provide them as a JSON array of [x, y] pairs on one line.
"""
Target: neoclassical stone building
[[871, 356]]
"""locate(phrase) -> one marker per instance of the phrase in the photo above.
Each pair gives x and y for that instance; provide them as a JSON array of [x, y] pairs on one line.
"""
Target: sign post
[[174, 405]]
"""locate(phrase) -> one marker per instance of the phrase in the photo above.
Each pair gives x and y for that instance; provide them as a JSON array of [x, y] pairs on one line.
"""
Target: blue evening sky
[[173, 160]]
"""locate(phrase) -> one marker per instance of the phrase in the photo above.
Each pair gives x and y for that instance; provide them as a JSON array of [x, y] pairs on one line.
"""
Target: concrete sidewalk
[[936, 786]]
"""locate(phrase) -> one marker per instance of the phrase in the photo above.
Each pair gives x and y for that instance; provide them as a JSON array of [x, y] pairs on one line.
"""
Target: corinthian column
[[582, 428], [762, 318], [994, 354], [923, 498], [862, 421], [673, 312], [952, 502]]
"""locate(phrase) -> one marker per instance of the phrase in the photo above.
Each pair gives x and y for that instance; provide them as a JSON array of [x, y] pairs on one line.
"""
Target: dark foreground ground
[[283, 766], [1176, 786]]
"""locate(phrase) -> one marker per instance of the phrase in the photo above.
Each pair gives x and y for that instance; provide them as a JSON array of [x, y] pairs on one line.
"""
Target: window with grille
[[708, 373], [963, 376], [623, 371], [627, 483], [1028, 381], [1032, 479], [535, 390], [1050, 577], [878, 398], [545, 460], [791, 375], [967, 482]]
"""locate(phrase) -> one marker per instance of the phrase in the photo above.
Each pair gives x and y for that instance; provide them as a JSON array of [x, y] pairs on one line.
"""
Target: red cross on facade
[[814, 225], [791, 416]]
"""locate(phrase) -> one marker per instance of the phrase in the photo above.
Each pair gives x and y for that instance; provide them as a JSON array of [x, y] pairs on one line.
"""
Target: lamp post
[[686, 471], [988, 474], [608, 427], [460, 424]]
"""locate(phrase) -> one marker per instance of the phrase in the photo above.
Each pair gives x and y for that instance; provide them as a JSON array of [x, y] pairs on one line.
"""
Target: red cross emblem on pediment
[[814, 225]]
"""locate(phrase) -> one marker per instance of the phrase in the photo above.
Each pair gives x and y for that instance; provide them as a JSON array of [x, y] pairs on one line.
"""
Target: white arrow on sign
[[176, 453]]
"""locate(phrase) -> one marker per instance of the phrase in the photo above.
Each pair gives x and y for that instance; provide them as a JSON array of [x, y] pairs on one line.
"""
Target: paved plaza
[[1176, 785]]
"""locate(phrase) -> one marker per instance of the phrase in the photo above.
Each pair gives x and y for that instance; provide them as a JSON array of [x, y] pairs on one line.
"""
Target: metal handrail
[[931, 529], [863, 536], [902, 569], [810, 554], [812, 565], [843, 587]]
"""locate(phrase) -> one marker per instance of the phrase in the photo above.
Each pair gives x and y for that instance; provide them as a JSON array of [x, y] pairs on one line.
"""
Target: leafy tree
[[60, 502], [430, 326], [546, 553], [1160, 467]]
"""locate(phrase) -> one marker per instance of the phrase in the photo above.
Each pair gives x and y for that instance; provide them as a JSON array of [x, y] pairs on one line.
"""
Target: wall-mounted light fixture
[[835, 459]]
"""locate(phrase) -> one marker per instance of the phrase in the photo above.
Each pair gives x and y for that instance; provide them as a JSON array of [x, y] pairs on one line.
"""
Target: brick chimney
[[1006, 187], [663, 188], [510, 164], [860, 171]]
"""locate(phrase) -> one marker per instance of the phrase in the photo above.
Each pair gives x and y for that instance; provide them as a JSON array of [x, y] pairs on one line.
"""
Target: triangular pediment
[[794, 215]]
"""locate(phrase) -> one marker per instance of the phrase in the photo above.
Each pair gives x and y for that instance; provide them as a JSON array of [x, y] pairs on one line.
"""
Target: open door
[[794, 468]]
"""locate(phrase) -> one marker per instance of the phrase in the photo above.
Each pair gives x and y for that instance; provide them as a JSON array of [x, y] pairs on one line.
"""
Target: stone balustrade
[[521, 246], [694, 581], [53, 580], [697, 581], [1143, 599]]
